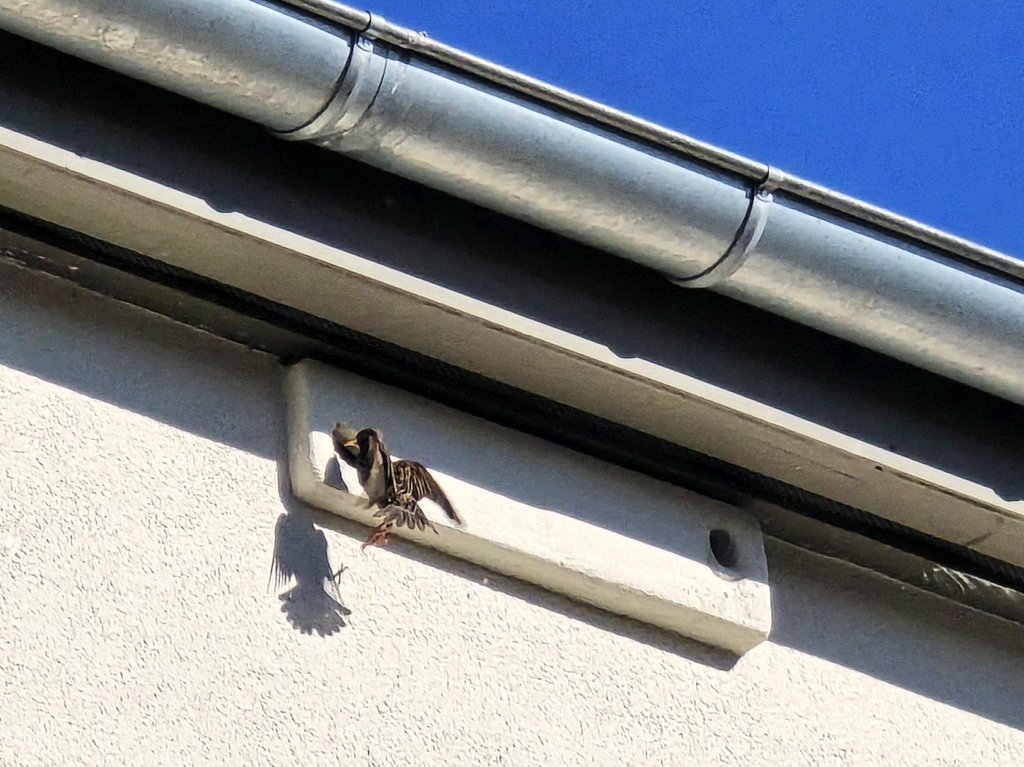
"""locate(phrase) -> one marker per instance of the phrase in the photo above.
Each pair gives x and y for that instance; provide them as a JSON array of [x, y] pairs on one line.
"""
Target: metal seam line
[[355, 92], [747, 237]]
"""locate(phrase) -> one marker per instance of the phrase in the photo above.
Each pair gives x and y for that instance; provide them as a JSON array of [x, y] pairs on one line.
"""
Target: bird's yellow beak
[[351, 444]]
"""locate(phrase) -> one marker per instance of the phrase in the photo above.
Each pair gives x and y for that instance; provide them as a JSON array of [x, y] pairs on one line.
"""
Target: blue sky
[[915, 106]]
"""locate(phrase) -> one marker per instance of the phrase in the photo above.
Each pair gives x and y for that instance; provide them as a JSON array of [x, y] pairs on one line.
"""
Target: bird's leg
[[378, 536]]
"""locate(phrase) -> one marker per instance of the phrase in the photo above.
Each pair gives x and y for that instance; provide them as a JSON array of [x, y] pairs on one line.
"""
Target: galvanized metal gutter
[[355, 84]]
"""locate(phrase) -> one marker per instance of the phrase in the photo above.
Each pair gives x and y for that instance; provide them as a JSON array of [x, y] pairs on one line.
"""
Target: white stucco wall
[[141, 469]]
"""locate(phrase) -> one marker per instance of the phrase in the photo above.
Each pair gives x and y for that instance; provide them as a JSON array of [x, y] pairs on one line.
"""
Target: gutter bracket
[[747, 237], [353, 95]]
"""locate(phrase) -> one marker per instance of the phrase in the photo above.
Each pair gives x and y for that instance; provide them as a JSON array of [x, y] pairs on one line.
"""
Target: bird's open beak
[[351, 444]]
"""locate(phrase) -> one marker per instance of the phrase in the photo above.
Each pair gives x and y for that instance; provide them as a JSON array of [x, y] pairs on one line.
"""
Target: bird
[[394, 487]]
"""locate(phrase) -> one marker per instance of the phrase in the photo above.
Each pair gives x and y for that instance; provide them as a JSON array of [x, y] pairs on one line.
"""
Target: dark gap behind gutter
[[514, 408]]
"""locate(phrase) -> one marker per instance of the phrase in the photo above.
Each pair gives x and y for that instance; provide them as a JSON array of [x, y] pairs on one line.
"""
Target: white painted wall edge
[[130, 211], [536, 511]]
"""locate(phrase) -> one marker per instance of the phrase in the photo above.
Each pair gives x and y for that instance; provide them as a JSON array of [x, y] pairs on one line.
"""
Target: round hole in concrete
[[723, 548]]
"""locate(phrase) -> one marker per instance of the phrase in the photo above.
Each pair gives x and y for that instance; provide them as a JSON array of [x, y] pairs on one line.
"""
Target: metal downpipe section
[[700, 226]]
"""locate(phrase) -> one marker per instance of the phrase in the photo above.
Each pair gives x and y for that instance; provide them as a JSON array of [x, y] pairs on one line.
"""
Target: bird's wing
[[413, 478], [387, 465], [404, 511], [281, 570], [376, 475]]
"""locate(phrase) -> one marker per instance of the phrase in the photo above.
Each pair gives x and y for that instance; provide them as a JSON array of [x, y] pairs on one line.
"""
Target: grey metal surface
[[251, 59], [703, 217], [888, 295], [375, 27], [437, 127]]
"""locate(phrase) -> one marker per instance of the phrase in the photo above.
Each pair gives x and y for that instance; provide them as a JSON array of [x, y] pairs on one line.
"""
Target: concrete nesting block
[[543, 513]]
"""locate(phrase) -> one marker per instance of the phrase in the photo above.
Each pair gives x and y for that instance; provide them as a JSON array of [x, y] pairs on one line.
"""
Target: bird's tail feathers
[[446, 506]]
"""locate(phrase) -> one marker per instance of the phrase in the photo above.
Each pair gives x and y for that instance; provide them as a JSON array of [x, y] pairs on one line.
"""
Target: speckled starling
[[394, 487]]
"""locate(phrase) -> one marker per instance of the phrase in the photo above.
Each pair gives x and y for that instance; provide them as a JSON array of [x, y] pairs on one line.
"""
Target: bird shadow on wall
[[314, 603]]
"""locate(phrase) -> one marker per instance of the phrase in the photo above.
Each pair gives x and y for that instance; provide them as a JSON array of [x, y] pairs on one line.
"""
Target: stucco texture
[[141, 503]]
